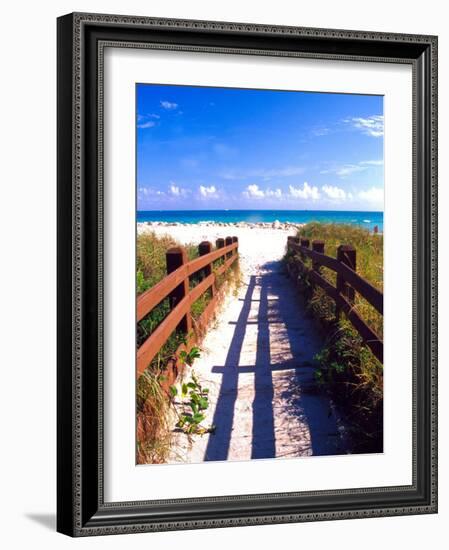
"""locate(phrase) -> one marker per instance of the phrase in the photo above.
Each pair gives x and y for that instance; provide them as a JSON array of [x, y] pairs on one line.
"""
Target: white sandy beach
[[259, 243]]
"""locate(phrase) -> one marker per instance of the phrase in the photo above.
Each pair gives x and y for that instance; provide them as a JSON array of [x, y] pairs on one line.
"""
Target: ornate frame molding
[[81, 510]]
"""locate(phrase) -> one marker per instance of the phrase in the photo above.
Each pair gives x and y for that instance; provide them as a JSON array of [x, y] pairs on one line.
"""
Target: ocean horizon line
[[362, 218], [257, 210]]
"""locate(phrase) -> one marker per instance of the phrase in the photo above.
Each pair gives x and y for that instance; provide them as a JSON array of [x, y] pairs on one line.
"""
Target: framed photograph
[[246, 274]]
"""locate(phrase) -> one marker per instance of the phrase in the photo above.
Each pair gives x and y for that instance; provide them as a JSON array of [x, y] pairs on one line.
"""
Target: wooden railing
[[176, 287], [348, 283]]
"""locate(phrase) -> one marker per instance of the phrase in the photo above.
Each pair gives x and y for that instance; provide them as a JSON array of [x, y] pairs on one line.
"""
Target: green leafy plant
[[193, 400], [187, 358]]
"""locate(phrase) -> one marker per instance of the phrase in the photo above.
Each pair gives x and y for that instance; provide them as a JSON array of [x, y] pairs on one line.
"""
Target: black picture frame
[[81, 509]]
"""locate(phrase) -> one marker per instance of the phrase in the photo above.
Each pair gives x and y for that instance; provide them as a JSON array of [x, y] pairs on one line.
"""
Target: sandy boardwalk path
[[258, 363]]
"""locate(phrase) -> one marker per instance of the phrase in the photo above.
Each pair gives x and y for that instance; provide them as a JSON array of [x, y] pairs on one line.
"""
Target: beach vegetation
[[156, 410], [154, 417], [191, 401], [348, 370]]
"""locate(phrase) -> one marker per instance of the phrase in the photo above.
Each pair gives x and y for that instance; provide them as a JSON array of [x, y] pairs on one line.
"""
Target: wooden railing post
[[219, 243], [290, 241], [346, 254], [305, 243], [317, 246], [204, 248], [228, 241], [292, 267], [236, 250], [176, 257]]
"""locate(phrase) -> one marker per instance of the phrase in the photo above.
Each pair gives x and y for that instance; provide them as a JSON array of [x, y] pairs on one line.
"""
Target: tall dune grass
[[369, 259]]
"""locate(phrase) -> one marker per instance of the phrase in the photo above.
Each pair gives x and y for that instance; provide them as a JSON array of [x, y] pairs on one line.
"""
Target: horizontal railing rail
[[348, 282], [176, 287], [361, 285]]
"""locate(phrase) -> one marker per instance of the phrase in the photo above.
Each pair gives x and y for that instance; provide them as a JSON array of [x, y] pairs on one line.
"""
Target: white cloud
[[145, 121], [334, 192], [208, 192], [349, 169], [177, 191], [141, 118], [379, 162], [375, 195], [345, 170], [147, 124], [275, 193], [371, 126], [306, 192], [169, 105], [145, 192], [254, 192]]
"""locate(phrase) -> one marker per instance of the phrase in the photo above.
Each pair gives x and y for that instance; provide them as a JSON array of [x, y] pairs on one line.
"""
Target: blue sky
[[215, 148]]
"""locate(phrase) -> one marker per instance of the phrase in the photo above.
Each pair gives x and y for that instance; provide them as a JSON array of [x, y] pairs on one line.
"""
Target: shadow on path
[[218, 445], [290, 417], [263, 443]]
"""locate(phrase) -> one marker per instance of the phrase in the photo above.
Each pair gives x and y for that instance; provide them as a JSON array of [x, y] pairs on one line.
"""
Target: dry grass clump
[[154, 435]]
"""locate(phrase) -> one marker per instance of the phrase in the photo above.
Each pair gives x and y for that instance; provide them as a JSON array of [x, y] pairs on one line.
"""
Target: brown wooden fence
[[348, 283], [176, 287]]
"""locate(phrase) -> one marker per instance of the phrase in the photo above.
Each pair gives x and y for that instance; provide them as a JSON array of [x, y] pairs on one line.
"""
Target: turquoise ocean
[[362, 219]]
